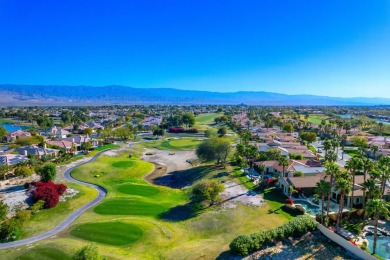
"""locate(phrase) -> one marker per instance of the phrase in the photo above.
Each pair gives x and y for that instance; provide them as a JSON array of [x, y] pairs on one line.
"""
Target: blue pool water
[[308, 207], [381, 246], [11, 127]]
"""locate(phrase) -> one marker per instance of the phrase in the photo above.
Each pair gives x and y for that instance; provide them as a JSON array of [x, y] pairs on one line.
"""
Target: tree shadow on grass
[[181, 179], [180, 213]]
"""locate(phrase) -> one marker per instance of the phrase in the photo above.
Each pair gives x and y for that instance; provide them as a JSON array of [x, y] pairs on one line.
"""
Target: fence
[[345, 244]]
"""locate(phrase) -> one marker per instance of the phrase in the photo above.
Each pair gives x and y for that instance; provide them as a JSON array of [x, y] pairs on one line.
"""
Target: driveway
[[66, 223]]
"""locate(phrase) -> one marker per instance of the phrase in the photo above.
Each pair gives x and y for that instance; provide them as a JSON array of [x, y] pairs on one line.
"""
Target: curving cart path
[[101, 194]]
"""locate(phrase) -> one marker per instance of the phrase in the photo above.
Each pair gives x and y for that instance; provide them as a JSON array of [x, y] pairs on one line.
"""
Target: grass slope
[[110, 233]]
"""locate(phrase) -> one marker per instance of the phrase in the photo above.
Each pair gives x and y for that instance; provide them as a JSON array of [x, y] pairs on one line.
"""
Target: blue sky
[[330, 47]]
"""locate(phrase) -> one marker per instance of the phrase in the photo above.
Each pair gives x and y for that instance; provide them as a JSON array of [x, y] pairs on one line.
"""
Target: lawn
[[129, 207], [138, 220], [206, 121], [44, 253], [139, 190], [174, 144], [109, 233], [315, 119]]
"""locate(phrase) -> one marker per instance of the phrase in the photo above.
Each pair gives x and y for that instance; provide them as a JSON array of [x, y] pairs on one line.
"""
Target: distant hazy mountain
[[27, 95]]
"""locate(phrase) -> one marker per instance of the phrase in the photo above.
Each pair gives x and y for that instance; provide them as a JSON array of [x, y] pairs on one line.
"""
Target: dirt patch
[[111, 153], [313, 245], [173, 160], [159, 170], [16, 197], [236, 193]]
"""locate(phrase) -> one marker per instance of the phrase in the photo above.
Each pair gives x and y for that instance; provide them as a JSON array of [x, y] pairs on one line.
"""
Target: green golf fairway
[[110, 233], [129, 207], [139, 190]]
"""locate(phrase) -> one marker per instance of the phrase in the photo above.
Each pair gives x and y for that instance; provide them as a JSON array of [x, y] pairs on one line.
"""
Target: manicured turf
[[129, 207], [123, 164], [44, 254], [207, 118], [139, 190], [107, 146], [110, 233], [180, 144]]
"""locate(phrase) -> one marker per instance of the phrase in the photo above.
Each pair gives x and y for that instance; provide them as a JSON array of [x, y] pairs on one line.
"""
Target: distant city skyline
[[331, 48]]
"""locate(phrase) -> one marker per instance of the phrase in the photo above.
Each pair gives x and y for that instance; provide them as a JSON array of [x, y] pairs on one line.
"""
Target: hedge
[[245, 244]]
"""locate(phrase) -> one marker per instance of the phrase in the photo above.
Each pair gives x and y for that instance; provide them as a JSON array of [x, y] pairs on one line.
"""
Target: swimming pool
[[383, 242], [308, 207]]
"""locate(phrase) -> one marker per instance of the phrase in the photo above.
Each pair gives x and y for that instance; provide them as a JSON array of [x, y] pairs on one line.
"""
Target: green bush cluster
[[293, 211], [245, 244], [10, 229]]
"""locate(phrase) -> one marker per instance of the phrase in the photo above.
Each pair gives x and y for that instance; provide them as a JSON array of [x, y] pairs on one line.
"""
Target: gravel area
[[313, 245], [237, 193], [173, 160]]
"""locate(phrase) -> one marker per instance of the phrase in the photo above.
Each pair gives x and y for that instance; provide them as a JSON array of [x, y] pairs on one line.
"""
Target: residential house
[[37, 151], [66, 145], [307, 167], [12, 136], [12, 159], [78, 140]]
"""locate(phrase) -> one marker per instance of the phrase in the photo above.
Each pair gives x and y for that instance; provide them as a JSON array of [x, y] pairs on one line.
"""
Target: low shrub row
[[245, 244]]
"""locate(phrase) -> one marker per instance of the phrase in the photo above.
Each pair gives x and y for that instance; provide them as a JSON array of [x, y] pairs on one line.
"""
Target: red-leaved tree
[[49, 192]]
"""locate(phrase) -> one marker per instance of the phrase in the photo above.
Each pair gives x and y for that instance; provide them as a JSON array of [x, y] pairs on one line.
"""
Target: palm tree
[[367, 166], [335, 144], [343, 141], [331, 156], [354, 165], [323, 189], [332, 170], [384, 168], [284, 163], [375, 207], [344, 187], [373, 191], [327, 146], [374, 150]]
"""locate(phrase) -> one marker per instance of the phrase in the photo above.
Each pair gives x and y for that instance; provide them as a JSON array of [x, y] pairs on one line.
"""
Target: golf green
[[139, 190], [110, 233], [129, 207], [123, 164]]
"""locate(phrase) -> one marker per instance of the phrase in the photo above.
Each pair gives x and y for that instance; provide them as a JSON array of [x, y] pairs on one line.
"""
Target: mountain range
[[40, 95]]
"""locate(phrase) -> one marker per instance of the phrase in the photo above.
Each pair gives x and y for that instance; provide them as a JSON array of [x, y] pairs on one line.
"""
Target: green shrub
[[293, 211], [245, 244], [37, 206]]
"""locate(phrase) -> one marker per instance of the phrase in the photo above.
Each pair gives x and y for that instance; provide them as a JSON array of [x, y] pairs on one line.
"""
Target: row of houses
[[70, 144]]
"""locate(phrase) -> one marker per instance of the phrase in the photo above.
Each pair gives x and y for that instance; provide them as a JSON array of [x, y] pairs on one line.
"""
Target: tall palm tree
[[375, 207], [327, 146], [335, 145], [384, 169], [374, 150], [323, 189], [261, 169], [373, 191], [284, 162], [367, 166], [332, 170], [343, 142], [354, 165], [344, 187], [331, 156]]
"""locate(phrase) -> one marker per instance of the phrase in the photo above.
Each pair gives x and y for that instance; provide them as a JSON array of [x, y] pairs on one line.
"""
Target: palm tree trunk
[[375, 232], [364, 212], [353, 185], [341, 206], [328, 203], [322, 207]]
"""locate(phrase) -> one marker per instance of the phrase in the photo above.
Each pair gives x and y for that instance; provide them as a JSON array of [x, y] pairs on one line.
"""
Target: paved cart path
[[72, 217]]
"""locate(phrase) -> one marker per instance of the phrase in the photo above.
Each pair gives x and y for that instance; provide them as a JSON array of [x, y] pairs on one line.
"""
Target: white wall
[[345, 244]]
